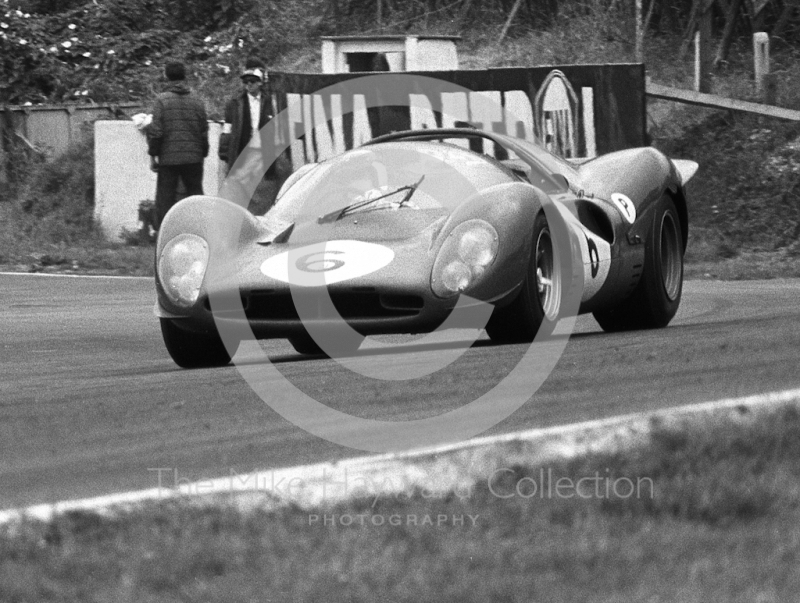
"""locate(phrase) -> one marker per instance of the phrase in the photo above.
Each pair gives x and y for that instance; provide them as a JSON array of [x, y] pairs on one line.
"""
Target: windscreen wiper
[[348, 209]]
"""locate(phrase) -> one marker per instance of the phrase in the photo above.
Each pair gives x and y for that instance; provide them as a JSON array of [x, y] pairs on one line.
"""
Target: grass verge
[[47, 220], [704, 511]]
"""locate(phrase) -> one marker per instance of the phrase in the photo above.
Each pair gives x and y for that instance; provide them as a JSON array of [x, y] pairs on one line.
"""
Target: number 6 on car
[[327, 263]]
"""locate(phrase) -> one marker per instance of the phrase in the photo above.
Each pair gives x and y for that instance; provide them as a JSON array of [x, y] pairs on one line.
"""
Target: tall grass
[[47, 218]]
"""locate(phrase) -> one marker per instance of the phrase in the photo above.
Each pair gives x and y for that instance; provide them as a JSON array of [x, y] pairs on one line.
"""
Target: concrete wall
[[51, 129], [404, 53], [123, 178], [433, 55]]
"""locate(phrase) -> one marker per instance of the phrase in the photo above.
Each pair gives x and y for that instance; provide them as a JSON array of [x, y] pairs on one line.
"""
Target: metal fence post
[[5, 135], [765, 85], [703, 58]]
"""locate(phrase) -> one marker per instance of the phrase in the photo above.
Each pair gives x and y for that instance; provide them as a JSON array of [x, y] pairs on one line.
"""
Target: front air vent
[[401, 302], [354, 304]]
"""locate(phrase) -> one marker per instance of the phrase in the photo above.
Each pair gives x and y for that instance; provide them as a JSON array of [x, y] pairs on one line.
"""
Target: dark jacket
[[237, 114], [178, 134]]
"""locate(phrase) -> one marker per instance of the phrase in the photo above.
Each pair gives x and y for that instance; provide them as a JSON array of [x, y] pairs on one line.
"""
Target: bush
[[114, 51], [59, 194], [748, 185]]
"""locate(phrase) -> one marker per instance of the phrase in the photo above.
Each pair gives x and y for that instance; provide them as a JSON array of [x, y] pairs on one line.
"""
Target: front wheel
[[193, 350], [536, 307], [655, 301], [305, 344]]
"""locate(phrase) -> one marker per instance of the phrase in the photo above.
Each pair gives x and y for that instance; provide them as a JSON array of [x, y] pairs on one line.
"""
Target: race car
[[413, 230]]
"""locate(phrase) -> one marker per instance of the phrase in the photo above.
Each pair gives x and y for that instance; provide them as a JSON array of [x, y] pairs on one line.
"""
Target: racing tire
[[654, 302], [193, 350], [536, 308], [305, 344]]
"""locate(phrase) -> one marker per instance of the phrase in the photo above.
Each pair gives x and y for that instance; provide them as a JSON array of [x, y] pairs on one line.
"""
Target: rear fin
[[686, 169]]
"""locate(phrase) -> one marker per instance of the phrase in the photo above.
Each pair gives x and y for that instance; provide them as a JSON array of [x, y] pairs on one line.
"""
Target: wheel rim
[[670, 257], [548, 280]]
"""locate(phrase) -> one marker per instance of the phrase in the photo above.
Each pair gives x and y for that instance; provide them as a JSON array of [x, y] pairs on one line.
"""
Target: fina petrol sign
[[577, 111]]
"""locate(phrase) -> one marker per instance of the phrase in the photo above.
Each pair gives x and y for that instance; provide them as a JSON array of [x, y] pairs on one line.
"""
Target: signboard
[[575, 110]]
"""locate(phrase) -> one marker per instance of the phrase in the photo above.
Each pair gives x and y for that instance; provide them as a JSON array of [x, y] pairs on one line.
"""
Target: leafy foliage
[[751, 203], [112, 51], [62, 190], [59, 57]]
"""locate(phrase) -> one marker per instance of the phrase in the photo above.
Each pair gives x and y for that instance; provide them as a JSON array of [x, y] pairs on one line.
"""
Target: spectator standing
[[177, 141], [243, 145]]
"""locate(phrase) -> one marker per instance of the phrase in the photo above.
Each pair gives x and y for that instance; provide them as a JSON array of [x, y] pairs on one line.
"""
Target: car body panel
[[608, 203]]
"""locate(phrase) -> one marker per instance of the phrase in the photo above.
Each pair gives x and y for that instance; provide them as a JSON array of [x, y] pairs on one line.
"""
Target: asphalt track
[[91, 404]]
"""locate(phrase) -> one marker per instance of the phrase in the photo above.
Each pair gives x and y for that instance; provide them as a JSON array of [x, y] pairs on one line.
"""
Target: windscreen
[[437, 176]]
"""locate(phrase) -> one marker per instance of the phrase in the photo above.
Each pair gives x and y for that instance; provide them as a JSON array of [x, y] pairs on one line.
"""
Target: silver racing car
[[404, 232]]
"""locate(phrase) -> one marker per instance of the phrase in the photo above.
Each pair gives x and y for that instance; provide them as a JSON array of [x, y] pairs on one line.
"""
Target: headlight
[[181, 268], [468, 250]]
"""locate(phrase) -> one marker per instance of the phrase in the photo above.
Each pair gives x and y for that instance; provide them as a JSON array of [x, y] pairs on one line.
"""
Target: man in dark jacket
[[243, 143], [177, 141]]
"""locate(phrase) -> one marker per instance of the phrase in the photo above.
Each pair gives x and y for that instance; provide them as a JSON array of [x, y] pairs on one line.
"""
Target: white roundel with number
[[625, 207], [327, 263]]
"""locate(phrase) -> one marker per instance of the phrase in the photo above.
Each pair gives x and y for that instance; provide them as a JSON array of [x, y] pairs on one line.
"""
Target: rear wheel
[[656, 298], [536, 307], [193, 350]]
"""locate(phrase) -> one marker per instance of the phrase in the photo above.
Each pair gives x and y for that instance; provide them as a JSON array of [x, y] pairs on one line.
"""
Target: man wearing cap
[[242, 144], [177, 141]]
